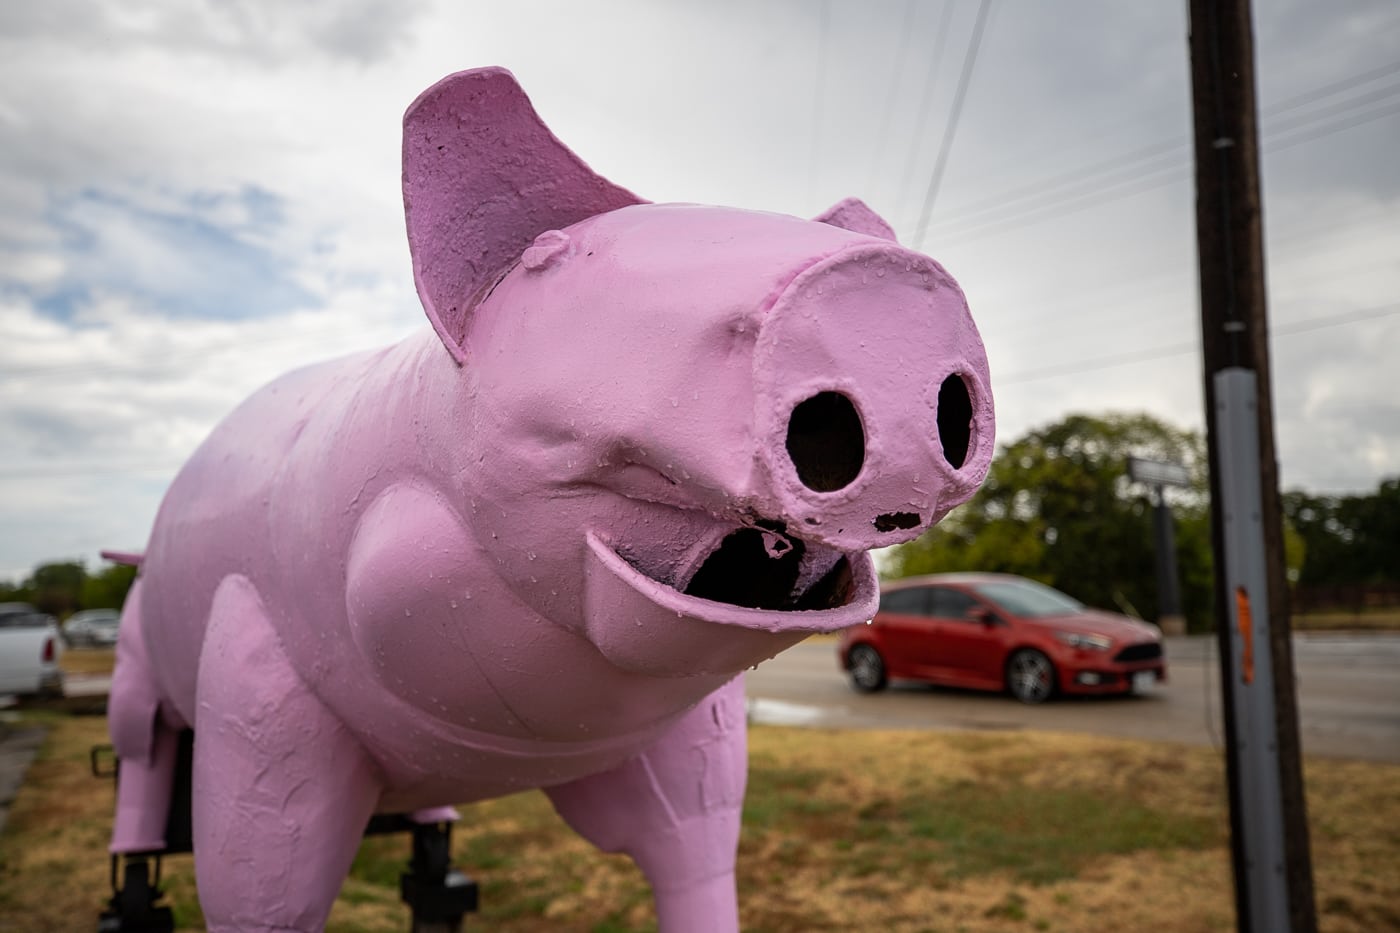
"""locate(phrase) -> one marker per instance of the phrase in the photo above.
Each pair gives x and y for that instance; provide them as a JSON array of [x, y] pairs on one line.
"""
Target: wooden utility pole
[[1268, 812]]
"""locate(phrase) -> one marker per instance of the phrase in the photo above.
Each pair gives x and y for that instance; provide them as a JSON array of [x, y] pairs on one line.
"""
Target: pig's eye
[[826, 442], [954, 419]]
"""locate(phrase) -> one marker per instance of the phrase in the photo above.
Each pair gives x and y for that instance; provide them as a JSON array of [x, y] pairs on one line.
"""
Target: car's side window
[[905, 602], [951, 604]]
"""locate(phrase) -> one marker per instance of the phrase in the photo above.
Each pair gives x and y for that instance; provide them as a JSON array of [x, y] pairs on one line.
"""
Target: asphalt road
[[1348, 690]]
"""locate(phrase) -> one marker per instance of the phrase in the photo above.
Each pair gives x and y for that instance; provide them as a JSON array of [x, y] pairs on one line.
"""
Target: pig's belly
[[453, 765]]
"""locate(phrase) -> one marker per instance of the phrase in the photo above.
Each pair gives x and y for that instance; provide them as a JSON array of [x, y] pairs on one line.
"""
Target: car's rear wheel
[[1030, 676], [867, 669]]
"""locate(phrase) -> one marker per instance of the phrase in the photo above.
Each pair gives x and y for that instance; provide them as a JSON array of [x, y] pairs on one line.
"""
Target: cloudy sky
[[196, 195]]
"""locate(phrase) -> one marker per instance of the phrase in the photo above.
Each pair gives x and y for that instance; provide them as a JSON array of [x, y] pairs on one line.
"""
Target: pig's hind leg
[[675, 808], [145, 744], [282, 791]]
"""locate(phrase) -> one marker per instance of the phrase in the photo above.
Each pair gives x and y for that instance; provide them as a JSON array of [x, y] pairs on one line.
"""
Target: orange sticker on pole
[[1244, 621]]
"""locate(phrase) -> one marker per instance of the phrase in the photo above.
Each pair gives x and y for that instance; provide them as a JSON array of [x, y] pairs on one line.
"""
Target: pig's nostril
[[954, 419], [826, 442], [893, 521]]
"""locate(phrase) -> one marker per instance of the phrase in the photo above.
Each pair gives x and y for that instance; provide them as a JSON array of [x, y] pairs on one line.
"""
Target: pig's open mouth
[[757, 578], [760, 568]]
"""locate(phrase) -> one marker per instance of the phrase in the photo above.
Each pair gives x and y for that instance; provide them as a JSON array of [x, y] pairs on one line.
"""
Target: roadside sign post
[[1159, 475]]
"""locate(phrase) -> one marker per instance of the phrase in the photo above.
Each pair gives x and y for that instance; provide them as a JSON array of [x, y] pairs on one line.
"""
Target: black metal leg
[[134, 906], [439, 895]]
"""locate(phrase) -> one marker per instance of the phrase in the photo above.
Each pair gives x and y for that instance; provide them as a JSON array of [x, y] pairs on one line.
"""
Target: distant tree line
[[1058, 507], [1349, 539], [64, 587], [1353, 548]]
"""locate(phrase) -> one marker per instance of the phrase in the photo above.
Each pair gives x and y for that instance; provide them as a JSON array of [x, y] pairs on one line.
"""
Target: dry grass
[[843, 830], [87, 660]]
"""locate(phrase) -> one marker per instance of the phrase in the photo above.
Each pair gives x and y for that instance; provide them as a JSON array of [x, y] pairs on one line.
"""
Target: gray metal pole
[[1251, 682]]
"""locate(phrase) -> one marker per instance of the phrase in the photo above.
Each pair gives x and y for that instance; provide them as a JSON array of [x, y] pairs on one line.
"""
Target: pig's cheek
[[526, 539], [407, 597]]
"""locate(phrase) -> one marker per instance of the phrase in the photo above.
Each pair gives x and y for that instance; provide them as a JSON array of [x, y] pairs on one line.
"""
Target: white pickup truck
[[29, 649]]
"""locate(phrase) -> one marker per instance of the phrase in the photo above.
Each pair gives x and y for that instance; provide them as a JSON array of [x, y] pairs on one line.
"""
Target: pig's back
[[214, 520]]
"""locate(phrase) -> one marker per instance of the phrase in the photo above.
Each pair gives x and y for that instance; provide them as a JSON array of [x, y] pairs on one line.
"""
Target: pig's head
[[687, 425]]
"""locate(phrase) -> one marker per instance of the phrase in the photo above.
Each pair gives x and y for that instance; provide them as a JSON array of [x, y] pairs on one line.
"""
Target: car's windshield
[[1027, 598]]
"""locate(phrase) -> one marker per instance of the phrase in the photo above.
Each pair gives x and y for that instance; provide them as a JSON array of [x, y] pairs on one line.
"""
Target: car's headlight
[[1087, 642]]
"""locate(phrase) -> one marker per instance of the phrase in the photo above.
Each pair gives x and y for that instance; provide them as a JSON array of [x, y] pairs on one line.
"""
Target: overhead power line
[[1165, 161], [1177, 145], [1278, 126], [926, 98], [950, 131], [1343, 84], [1335, 126], [1090, 192], [1096, 310], [905, 35], [1181, 349]]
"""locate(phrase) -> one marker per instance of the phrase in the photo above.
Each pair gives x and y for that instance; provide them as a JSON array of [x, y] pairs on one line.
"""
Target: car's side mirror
[[982, 615]]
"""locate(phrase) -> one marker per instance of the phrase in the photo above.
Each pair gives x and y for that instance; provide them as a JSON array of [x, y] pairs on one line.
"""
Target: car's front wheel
[[1030, 676], [867, 669]]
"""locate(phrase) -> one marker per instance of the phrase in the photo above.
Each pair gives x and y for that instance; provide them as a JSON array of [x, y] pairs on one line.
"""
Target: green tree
[[58, 587], [1058, 506], [15, 592], [107, 588], [1347, 539], [63, 587]]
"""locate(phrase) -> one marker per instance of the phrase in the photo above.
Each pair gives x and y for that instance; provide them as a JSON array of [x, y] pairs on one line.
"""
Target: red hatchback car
[[993, 631]]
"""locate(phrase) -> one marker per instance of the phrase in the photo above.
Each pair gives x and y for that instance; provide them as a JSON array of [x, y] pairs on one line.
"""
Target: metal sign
[[1158, 472]]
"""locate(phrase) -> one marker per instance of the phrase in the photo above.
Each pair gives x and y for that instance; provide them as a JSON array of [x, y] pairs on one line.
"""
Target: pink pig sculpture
[[643, 448]]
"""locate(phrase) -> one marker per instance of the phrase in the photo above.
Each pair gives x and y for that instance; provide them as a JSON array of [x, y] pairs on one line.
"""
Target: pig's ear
[[855, 215], [482, 177]]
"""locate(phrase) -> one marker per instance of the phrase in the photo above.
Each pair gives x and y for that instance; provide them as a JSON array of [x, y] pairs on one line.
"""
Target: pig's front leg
[[282, 791], [675, 808]]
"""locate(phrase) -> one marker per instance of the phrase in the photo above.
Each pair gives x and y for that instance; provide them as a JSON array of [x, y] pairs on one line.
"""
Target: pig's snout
[[878, 417]]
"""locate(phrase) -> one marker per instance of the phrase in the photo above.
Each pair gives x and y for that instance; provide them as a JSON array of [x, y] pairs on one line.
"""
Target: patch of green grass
[[186, 913], [486, 851], [506, 903], [357, 891], [1042, 834], [960, 828], [617, 925], [775, 794], [621, 920]]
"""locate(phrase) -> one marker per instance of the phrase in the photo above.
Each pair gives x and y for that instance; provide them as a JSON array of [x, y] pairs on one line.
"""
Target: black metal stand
[[438, 895], [134, 906]]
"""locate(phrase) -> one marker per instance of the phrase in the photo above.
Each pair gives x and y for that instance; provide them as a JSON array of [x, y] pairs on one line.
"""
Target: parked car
[[28, 651], [92, 628], [1000, 632]]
